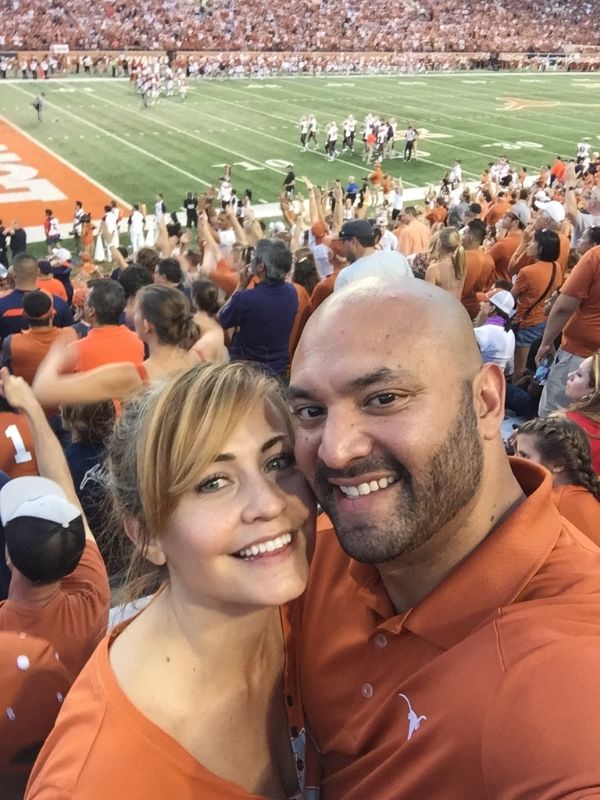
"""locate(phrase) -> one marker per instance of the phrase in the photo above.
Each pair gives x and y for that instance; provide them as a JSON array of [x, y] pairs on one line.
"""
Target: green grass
[[176, 146]]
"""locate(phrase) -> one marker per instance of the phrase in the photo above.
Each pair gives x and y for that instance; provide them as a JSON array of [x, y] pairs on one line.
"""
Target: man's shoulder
[[13, 299]]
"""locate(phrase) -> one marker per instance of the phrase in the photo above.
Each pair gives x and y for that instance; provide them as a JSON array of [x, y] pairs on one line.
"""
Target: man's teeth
[[270, 546], [367, 488]]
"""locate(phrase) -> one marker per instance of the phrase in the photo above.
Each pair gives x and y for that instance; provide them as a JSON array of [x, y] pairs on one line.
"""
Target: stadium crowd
[[418, 26], [148, 450]]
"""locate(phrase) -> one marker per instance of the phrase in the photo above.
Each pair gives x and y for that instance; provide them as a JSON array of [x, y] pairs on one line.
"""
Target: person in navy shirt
[[263, 317], [25, 272]]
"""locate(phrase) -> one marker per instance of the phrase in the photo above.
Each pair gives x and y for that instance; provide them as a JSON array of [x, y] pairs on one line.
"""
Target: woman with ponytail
[[211, 344], [562, 447], [448, 269], [163, 321]]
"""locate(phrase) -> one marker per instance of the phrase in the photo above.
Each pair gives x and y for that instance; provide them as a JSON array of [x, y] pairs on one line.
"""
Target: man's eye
[[308, 413], [382, 399]]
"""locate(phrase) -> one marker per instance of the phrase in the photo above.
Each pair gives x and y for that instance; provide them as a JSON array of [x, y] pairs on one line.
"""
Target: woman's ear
[[152, 550], [557, 467]]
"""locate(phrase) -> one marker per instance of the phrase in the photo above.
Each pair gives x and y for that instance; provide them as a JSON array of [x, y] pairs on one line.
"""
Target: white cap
[[61, 253], [36, 497], [553, 209], [504, 301]]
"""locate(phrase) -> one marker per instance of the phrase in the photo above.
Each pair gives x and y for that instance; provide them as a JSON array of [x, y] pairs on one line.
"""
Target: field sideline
[[97, 126]]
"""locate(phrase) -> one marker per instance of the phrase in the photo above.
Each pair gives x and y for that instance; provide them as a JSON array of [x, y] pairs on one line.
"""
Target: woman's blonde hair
[[166, 437], [449, 240]]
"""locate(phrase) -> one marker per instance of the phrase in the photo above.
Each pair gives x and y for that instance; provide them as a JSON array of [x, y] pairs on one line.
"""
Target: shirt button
[[367, 690], [380, 640]]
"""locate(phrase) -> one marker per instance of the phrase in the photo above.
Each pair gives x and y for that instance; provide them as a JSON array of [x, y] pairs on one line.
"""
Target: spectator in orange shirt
[[415, 235], [23, 352], [107, 342], [558, 171], [577, 314], [562, 447], [534, 284], [513, 225], [498, 208], [439, 213], [48, 283], [325, 287], [479, 266], [451, 596]]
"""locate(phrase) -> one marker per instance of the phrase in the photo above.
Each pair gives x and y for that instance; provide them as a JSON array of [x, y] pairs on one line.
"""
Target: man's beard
[[451, 481]]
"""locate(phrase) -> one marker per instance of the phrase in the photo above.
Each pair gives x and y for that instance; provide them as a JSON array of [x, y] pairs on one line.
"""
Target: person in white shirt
[[349, 128], [160, 209], [332, 136], [312, 131], [136, 228], [224, 194], [494, 336], [304, 126], [358, 237], [456, 175]]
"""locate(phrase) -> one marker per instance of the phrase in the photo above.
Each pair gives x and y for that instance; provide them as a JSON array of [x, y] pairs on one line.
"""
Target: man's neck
[[25, 287], [411, 578]]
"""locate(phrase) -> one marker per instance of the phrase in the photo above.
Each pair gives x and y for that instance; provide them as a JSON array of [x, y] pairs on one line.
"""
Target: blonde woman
[[193, 697], [448, 267]]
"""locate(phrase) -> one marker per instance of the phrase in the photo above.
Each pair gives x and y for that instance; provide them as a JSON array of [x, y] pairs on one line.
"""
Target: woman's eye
[[281, 462], [308, 413], [211, 484]]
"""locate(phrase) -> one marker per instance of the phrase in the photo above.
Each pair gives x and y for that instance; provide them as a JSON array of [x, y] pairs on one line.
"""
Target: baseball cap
[[541, 197], [521, 212], [61, 253], [277, 227], [357, 228], [504, 301], [553, 209], [43, 531]]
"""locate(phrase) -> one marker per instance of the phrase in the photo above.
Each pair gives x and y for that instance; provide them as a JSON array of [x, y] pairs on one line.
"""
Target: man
[[480, 267], [190, 204], [23, 352], [59, 587], [331, 141], [136, 228], [48, 282], [18, 238], [25, 274], [51, 230], [289, 182], [303, 127], [551, 215], [358, 246], [576, 313], [107, 342], [160, 208], [410, 139], [450, 640], [513, 225], [263, 317], [78, 215], [38, 104], [169, 273], [349, 131], [415, 235]]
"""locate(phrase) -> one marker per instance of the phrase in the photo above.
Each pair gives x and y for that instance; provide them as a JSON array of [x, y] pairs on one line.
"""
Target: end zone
[[33, 178]]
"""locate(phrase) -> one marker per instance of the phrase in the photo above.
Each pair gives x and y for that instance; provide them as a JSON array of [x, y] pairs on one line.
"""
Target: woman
[[562, 447], [532, 286], [162, 320], [211, 344], [448, 267], [305, 270], [494, 335], [194, 697], [583, 388]]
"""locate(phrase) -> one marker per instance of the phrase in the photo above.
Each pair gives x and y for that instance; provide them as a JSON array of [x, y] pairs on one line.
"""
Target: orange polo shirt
[[111, 344], [580, 507], [479, 275], [485, 689], [322, 290], [502, 252]]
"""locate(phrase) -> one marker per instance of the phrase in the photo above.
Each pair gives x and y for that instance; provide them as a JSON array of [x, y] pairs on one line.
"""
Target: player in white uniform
[[455, 176], [331, 143], [583, 150], [312, 130], [182, 87], [349, 128], [304, 127]]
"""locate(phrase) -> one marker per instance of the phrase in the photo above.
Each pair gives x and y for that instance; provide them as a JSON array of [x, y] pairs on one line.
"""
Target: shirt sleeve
[[538, 740], [230, 314], [64, 315]]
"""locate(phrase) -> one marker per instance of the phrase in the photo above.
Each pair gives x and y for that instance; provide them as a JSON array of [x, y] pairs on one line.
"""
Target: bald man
[[450, 644]]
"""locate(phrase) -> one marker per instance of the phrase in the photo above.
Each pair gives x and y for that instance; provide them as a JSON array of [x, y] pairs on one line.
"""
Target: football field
[[97, 129]]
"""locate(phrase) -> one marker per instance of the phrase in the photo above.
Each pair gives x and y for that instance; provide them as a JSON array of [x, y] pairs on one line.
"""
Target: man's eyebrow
[[263, 448], [381, 375]]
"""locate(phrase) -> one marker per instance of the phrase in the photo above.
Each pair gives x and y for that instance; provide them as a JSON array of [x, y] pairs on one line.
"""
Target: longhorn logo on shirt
[[414, 720]]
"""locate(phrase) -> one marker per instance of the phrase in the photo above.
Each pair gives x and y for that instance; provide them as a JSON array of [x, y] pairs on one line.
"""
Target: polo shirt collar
[[492, 576]]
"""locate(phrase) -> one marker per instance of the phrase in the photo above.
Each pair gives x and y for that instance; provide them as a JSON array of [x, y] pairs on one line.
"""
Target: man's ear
[[152, 551], [489, 389]]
